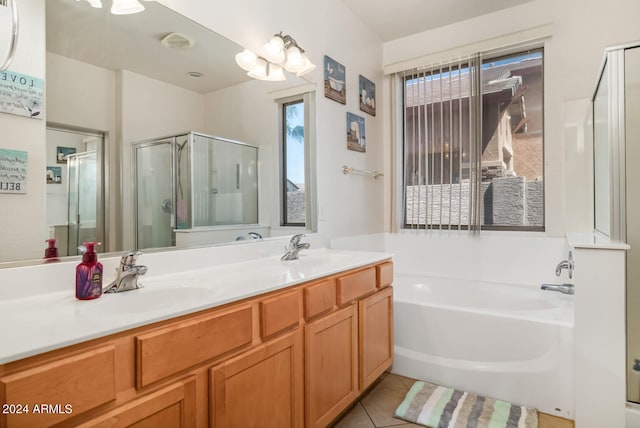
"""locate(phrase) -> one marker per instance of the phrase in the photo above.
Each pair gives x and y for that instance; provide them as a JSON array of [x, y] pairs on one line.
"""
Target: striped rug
[[439, 407]]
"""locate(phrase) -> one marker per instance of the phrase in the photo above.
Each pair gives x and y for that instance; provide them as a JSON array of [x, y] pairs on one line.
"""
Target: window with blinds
[[473, 144]]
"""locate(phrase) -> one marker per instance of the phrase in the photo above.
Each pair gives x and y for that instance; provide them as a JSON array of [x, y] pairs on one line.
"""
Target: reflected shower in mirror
[[192, 181]]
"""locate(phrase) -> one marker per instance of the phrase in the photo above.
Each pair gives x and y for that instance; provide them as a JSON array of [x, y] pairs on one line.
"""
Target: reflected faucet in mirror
[[127, 274]]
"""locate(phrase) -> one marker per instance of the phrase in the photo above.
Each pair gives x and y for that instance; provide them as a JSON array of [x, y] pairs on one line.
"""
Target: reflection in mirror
[[95, 61], [112, 75], [74, 188], [192, 181]]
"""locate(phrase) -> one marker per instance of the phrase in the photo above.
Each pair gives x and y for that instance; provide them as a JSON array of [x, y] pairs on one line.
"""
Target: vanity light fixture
[[282, 52], [120, 7]]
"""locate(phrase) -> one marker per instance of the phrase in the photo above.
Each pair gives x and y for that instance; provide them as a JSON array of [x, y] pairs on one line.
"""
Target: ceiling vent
[[177, 41]]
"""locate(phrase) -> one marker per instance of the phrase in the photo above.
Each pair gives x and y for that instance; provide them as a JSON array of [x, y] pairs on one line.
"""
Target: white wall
[[580, 32], [347, 205], [26, 134]]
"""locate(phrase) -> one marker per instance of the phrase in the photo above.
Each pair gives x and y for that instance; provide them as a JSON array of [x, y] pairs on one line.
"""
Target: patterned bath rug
[[440, 407]]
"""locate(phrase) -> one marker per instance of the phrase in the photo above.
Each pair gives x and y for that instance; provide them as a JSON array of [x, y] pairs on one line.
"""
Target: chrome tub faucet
[[566, 264], [127, 274], [294, 247]]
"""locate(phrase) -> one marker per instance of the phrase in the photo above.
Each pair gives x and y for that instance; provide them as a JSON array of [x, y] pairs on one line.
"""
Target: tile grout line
[[367, 413]]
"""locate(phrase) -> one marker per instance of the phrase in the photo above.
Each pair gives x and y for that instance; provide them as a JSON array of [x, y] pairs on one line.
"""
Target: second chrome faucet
[[294, 247]]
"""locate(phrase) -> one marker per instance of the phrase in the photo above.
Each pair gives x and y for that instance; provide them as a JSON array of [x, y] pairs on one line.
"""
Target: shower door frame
[[171, 140], [100, 233]]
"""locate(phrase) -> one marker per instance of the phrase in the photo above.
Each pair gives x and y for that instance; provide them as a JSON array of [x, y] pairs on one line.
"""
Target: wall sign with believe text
[[13, 171], [21, 94]]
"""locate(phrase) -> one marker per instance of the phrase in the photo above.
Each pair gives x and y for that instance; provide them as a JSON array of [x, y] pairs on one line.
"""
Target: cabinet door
[[170, 407], [375, 335], [331, 365], [261, 388]]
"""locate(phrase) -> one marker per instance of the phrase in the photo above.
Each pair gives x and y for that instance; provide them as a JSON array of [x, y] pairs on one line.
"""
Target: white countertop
[[44, 322]]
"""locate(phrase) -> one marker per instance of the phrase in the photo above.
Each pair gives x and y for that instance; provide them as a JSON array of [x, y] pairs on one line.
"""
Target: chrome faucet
[[294, 247], [566, 264], [127, 274], [561, 288]]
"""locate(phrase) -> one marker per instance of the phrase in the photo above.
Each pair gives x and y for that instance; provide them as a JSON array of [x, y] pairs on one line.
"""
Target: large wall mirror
[[116, 80]]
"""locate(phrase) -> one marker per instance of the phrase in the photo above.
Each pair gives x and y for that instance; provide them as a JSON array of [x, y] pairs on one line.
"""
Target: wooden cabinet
[[331, 365], [260, 388], [53, 392], [170, 407], [375, 335], [291, 358]]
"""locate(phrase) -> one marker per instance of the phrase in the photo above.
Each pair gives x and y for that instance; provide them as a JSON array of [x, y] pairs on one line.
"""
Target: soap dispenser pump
[[51, 252], [89, 274]]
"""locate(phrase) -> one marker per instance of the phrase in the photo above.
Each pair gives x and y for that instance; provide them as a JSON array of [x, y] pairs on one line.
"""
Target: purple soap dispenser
[[89, 274]]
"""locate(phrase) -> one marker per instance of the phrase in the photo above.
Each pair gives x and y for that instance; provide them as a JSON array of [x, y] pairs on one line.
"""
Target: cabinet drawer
[[355, 285], [319, 298], [384, 274], [279, 313], [69, 387], [168, 351]]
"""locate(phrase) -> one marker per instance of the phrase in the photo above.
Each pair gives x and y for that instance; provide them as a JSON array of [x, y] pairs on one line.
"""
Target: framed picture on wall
[[367, 93], [355, 133], [62, 152], [334, 80], [54, 175]]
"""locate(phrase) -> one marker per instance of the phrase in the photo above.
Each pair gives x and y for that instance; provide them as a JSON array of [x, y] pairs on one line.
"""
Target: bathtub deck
[[376, 408]]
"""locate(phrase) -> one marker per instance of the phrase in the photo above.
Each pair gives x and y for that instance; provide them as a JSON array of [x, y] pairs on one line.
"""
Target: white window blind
[[442, 135]]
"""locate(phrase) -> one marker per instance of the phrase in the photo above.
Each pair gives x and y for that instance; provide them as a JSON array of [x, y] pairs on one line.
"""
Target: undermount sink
[[147, 300]]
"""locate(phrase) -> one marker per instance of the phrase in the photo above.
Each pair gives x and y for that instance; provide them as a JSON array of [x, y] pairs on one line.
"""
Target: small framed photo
[[54, 175], [62, 152], [367, 92], [355, 133], [334, 80]]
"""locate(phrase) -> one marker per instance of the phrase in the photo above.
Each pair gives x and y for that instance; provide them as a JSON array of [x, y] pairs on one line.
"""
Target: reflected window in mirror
[[294, 149]]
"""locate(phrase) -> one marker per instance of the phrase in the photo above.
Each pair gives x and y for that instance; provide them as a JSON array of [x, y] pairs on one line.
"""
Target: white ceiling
[[132, 42], [399, 18]]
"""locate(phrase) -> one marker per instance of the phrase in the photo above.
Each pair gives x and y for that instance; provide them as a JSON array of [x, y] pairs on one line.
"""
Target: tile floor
[[376, 408]]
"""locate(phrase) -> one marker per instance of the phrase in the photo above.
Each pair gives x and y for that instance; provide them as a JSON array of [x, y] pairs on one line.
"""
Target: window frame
[[307, 95], [485, 57]]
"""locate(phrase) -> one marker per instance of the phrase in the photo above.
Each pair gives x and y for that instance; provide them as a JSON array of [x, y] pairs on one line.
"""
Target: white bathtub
[[510, 342]]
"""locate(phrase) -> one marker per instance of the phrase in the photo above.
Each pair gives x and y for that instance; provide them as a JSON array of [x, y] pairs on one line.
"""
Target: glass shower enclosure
[[191, 181], [616, 110]]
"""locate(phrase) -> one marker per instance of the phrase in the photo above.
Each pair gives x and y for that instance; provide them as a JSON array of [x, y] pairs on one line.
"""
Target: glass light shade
[[308, 66], [295, 61], [126, 7], [95, 3], [274, 50], [259, 70], [246, 60], [275, 73]]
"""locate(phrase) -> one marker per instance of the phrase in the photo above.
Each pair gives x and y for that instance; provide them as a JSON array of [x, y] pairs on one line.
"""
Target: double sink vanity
[[253, 343]]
